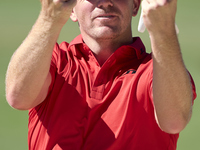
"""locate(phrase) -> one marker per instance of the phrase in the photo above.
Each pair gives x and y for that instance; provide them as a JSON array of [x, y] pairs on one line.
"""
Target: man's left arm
[[172, 88]]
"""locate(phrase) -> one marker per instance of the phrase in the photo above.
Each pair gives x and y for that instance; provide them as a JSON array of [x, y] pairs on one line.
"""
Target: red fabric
[[90, 107]]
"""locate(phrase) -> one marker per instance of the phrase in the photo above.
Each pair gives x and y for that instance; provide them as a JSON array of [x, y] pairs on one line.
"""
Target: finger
[[148, 5], [61, 1], [58, 1], [162, 2], [157, 3]]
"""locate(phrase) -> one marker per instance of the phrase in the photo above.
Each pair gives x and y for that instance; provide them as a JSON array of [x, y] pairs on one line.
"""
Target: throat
[[102, 56]]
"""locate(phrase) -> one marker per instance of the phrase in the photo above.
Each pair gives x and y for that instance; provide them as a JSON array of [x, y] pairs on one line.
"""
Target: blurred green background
[[16, 20]]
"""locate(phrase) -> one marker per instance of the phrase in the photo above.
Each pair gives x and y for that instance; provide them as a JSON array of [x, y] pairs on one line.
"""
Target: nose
[[105, 3]]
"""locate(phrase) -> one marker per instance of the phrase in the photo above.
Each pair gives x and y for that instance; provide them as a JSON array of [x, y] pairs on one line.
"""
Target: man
[[102, 90]]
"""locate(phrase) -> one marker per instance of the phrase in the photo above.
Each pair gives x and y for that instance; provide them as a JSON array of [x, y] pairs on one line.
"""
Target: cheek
[[84, 21], [83, 12], [83, 18]]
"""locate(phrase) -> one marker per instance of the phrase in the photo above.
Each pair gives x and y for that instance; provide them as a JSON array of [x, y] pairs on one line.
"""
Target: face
[[107, 19]]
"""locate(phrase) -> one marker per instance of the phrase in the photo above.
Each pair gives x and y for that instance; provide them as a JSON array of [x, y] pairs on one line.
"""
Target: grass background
[[16, 20]]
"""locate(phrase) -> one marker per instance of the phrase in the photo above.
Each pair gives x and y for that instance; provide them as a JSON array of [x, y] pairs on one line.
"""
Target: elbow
[[174, 126], [16, 102]]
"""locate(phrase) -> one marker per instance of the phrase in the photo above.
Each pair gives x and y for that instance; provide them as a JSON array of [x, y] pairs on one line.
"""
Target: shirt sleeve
[[193, 88], [56, 61]]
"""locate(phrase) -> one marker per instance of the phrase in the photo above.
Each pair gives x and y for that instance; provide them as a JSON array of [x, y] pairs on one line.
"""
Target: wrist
[[54, 18], [48, 23], [165, 46]]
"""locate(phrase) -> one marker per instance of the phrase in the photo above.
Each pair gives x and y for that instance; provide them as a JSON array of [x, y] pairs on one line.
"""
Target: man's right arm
[[28, 77]]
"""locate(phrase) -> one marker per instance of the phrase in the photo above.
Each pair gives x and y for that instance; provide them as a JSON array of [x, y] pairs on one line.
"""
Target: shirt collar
[[137, 47], [77, 40]]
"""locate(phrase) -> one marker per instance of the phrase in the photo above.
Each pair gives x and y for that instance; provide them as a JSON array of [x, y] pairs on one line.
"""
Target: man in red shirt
[[102, 90]]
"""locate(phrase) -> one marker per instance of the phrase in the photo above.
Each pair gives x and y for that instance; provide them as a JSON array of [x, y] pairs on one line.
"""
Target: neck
[[103, 48]]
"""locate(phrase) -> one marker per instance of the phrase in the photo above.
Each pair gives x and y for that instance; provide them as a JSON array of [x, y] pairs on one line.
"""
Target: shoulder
[[147, 64]]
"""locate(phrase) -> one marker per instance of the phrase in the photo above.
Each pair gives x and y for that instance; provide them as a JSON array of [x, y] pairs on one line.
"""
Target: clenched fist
[[159, 15], [57, 10]]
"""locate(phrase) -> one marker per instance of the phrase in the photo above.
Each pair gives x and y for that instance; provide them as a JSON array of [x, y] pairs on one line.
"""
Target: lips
[[105, 16]]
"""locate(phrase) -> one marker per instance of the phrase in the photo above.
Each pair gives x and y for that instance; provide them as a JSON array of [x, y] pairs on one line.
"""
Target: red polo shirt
[[93, 107]]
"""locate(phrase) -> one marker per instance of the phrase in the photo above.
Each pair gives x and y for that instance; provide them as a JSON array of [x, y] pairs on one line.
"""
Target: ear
[[73, 16], [136, 6]]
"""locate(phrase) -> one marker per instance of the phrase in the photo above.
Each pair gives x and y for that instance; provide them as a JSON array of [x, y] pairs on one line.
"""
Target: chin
[[106, 33]]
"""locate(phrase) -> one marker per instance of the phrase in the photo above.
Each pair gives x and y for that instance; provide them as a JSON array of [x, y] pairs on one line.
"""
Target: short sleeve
[[193, 88], [59, 53]]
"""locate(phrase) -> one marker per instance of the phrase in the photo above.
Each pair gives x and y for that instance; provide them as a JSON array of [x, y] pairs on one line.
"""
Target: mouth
[[105, 16], [109, 16]]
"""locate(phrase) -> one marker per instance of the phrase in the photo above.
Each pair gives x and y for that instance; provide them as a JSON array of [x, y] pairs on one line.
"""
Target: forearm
[[28, 77], [172, 92], [29, 66]]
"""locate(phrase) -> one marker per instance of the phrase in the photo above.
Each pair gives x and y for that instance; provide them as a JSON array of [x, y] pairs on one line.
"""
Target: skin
[[171, 83], [105, 26]]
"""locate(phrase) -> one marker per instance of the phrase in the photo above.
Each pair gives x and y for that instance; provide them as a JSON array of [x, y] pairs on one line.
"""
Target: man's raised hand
[[159, 15], [57, 10]]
